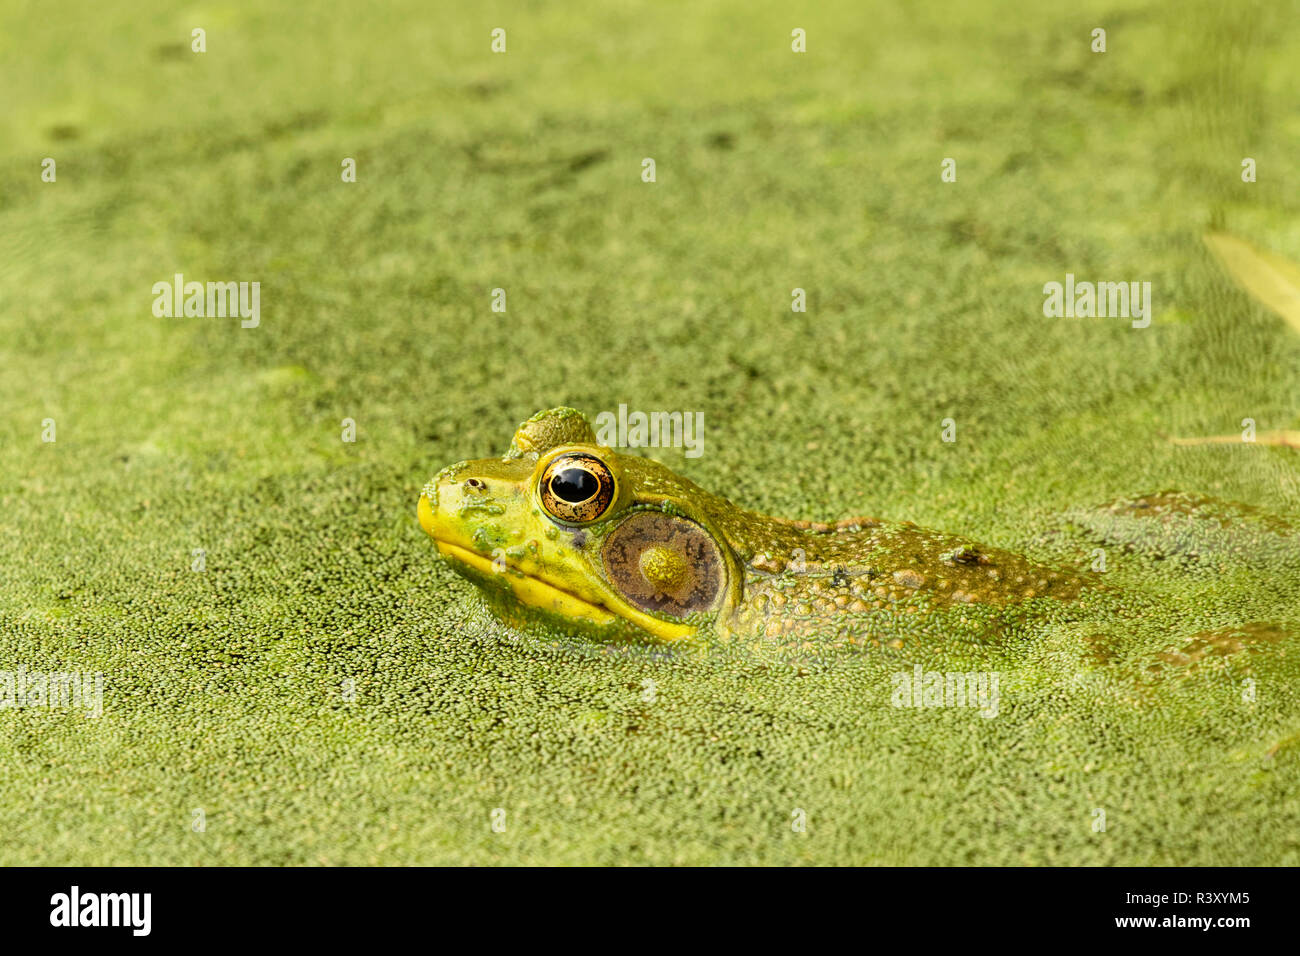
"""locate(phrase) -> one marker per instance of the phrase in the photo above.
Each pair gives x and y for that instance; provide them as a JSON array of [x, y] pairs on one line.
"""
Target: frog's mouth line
[[530, 590], [537, 593]]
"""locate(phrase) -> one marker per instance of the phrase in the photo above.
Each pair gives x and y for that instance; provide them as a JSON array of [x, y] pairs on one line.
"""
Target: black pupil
[[574, 485]]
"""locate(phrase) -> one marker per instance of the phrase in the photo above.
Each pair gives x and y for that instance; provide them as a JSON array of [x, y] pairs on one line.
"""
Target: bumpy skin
[[860, 582]]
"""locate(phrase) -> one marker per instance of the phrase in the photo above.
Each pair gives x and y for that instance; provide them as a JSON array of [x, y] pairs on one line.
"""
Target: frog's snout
[[475, 505], [425, 511]]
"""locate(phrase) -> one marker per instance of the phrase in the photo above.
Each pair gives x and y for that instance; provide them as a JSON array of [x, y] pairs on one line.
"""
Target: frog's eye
[[576, 488]]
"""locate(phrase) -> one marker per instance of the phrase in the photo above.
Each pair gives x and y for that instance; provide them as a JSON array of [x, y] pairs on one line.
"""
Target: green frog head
[[566, 531]]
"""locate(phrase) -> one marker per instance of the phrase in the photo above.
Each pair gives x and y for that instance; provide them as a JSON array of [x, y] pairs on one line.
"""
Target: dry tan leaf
[[1282, 439], [1269, 279]]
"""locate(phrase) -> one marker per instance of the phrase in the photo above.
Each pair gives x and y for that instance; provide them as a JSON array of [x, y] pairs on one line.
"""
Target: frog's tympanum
[[574, 534]]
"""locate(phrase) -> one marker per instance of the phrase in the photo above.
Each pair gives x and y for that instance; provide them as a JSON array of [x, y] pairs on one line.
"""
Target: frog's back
[[857, 576]]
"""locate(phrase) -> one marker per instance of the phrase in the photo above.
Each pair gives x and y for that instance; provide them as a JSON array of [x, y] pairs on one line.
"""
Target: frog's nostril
[[473, 484]]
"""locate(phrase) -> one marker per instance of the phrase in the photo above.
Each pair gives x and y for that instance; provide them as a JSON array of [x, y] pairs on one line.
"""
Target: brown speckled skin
[[802, 577]]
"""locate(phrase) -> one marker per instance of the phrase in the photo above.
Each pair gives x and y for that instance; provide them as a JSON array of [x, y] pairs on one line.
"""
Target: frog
[[567, 533]]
